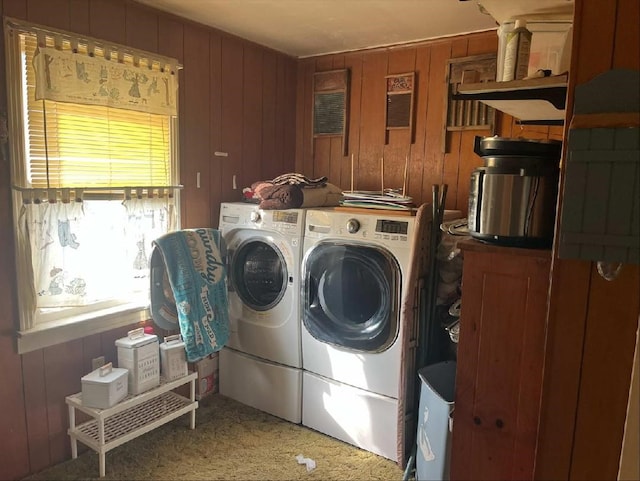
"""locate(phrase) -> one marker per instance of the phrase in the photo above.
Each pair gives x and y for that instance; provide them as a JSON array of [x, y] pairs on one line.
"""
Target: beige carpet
[[231, 442]]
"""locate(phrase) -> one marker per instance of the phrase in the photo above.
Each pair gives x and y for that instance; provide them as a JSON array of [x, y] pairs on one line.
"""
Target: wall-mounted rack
[[531, 101]]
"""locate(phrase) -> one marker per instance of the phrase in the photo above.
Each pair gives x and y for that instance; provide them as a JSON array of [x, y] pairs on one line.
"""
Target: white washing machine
[[261, 363], [355, 277]]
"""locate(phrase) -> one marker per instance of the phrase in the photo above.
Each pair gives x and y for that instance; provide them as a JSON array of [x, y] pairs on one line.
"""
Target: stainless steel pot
[[512, 201]]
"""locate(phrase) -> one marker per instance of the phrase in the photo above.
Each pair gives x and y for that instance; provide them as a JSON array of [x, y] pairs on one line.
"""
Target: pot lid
[[494, 146]]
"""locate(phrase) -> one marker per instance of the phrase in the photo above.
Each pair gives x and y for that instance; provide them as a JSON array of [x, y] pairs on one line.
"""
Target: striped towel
[[299, 179]]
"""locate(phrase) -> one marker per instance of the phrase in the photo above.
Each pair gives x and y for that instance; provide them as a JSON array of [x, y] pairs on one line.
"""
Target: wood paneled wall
[[592, 322], [235, 97], [429, 164]]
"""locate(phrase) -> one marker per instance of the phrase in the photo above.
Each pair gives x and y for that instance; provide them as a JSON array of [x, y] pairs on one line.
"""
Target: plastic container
[[138, 352], [173, 358], [104, 387], [516, 54], [435, 421], [550, 46]]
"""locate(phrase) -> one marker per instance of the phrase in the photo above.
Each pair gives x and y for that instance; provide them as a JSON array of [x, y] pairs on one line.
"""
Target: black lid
[[495, 146]]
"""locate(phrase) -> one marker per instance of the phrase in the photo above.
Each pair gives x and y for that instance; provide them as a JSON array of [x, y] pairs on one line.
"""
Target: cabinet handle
[[477, 420], [499, 423]]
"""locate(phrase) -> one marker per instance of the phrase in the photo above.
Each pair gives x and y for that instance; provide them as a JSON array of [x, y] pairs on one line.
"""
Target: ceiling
[[304, 28]]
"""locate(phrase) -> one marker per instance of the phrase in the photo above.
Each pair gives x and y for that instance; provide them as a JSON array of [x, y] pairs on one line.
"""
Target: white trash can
[[435, 421]]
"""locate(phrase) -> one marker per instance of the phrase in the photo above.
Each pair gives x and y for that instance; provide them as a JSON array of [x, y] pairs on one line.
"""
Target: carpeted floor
[[231, 442]]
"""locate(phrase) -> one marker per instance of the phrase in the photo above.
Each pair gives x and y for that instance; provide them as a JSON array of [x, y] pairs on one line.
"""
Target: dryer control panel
[[389, 230], [236, 215]]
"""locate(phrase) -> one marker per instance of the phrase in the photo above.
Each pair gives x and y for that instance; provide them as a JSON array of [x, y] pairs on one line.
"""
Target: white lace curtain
[[113, 238]]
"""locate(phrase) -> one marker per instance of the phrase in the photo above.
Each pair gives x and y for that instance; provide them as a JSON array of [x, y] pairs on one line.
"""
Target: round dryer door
[[258, 274], [351, 296]]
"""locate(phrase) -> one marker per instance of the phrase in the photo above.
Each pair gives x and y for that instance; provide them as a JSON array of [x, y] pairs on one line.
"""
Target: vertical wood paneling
[[337, 156], [231, 108], [433, 157], [14, 8], [251, 119], [62, 370], [453, 144], [196, 125], [14, 444], [416, 160], [280, 92], [141, 28], [304, 119], [51, 12], [35, 401], [596, 40], [429, 164], [606, 373], [270, 162], [588, 365], [627, 35], [399, 142], [32, 409], [322, 145], [107, 20], [215, 126], [353, 62], [372, 131], [286, 97], [79, 16]]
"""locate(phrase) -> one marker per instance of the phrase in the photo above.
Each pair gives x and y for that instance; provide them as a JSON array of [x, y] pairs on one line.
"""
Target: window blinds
[[90, 146]]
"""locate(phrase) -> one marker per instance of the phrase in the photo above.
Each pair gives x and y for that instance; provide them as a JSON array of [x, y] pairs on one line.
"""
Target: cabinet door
[[500, 361]]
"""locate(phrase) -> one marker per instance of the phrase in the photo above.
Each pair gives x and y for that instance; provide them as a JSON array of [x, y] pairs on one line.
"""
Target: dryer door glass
[[258, 274], [351, 296]]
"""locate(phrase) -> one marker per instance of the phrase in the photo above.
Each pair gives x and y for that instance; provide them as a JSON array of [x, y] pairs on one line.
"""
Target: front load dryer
[[261, 363], [360, 277]]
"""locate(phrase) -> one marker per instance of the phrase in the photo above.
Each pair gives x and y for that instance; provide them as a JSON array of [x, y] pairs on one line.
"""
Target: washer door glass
[[350, 296], [258, 274]]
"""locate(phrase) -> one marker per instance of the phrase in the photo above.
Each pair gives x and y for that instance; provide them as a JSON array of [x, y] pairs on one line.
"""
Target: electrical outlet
[[97, 362]]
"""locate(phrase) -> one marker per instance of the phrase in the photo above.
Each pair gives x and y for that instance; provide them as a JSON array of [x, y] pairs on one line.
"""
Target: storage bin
[[435, 421], [139, 353], [104, 387], [173, 358], [550, 46]]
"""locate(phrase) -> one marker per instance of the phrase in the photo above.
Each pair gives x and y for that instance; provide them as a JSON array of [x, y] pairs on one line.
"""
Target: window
[[95, 178]]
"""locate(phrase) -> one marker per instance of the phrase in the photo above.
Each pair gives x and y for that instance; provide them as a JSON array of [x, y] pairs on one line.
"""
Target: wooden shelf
[[536, 101]]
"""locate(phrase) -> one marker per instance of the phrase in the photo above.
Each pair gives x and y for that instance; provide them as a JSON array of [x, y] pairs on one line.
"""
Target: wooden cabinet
[[500, 362]]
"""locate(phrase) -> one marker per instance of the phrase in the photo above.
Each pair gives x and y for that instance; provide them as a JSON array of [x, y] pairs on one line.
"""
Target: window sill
[[57, 332]]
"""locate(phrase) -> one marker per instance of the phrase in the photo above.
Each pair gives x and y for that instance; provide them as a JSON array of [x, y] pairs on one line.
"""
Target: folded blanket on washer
[[197, 278], [277, 196]]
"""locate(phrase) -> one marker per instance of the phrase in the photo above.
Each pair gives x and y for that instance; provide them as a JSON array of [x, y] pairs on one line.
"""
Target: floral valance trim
[[66, 76]]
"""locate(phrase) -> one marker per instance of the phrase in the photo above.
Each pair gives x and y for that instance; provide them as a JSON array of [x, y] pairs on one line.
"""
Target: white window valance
[[86, 78]]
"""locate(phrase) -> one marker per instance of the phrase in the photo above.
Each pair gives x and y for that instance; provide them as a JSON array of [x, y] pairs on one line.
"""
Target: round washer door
[[258, 273], [351, 296]]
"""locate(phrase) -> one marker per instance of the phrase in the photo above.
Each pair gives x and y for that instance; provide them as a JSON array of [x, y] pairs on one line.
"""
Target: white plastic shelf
[[130, 418]]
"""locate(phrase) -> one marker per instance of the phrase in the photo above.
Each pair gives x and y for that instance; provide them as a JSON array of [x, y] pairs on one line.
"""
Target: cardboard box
[[139, 353], [105, 387], [207, 370]]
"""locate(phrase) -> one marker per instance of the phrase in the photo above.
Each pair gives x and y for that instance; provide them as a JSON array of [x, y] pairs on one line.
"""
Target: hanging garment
[[197, 294]]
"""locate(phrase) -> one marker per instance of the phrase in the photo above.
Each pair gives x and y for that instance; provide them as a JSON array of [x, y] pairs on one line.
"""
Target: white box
[[104, 387], [173, 358], [139, 353], [550, 46]]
